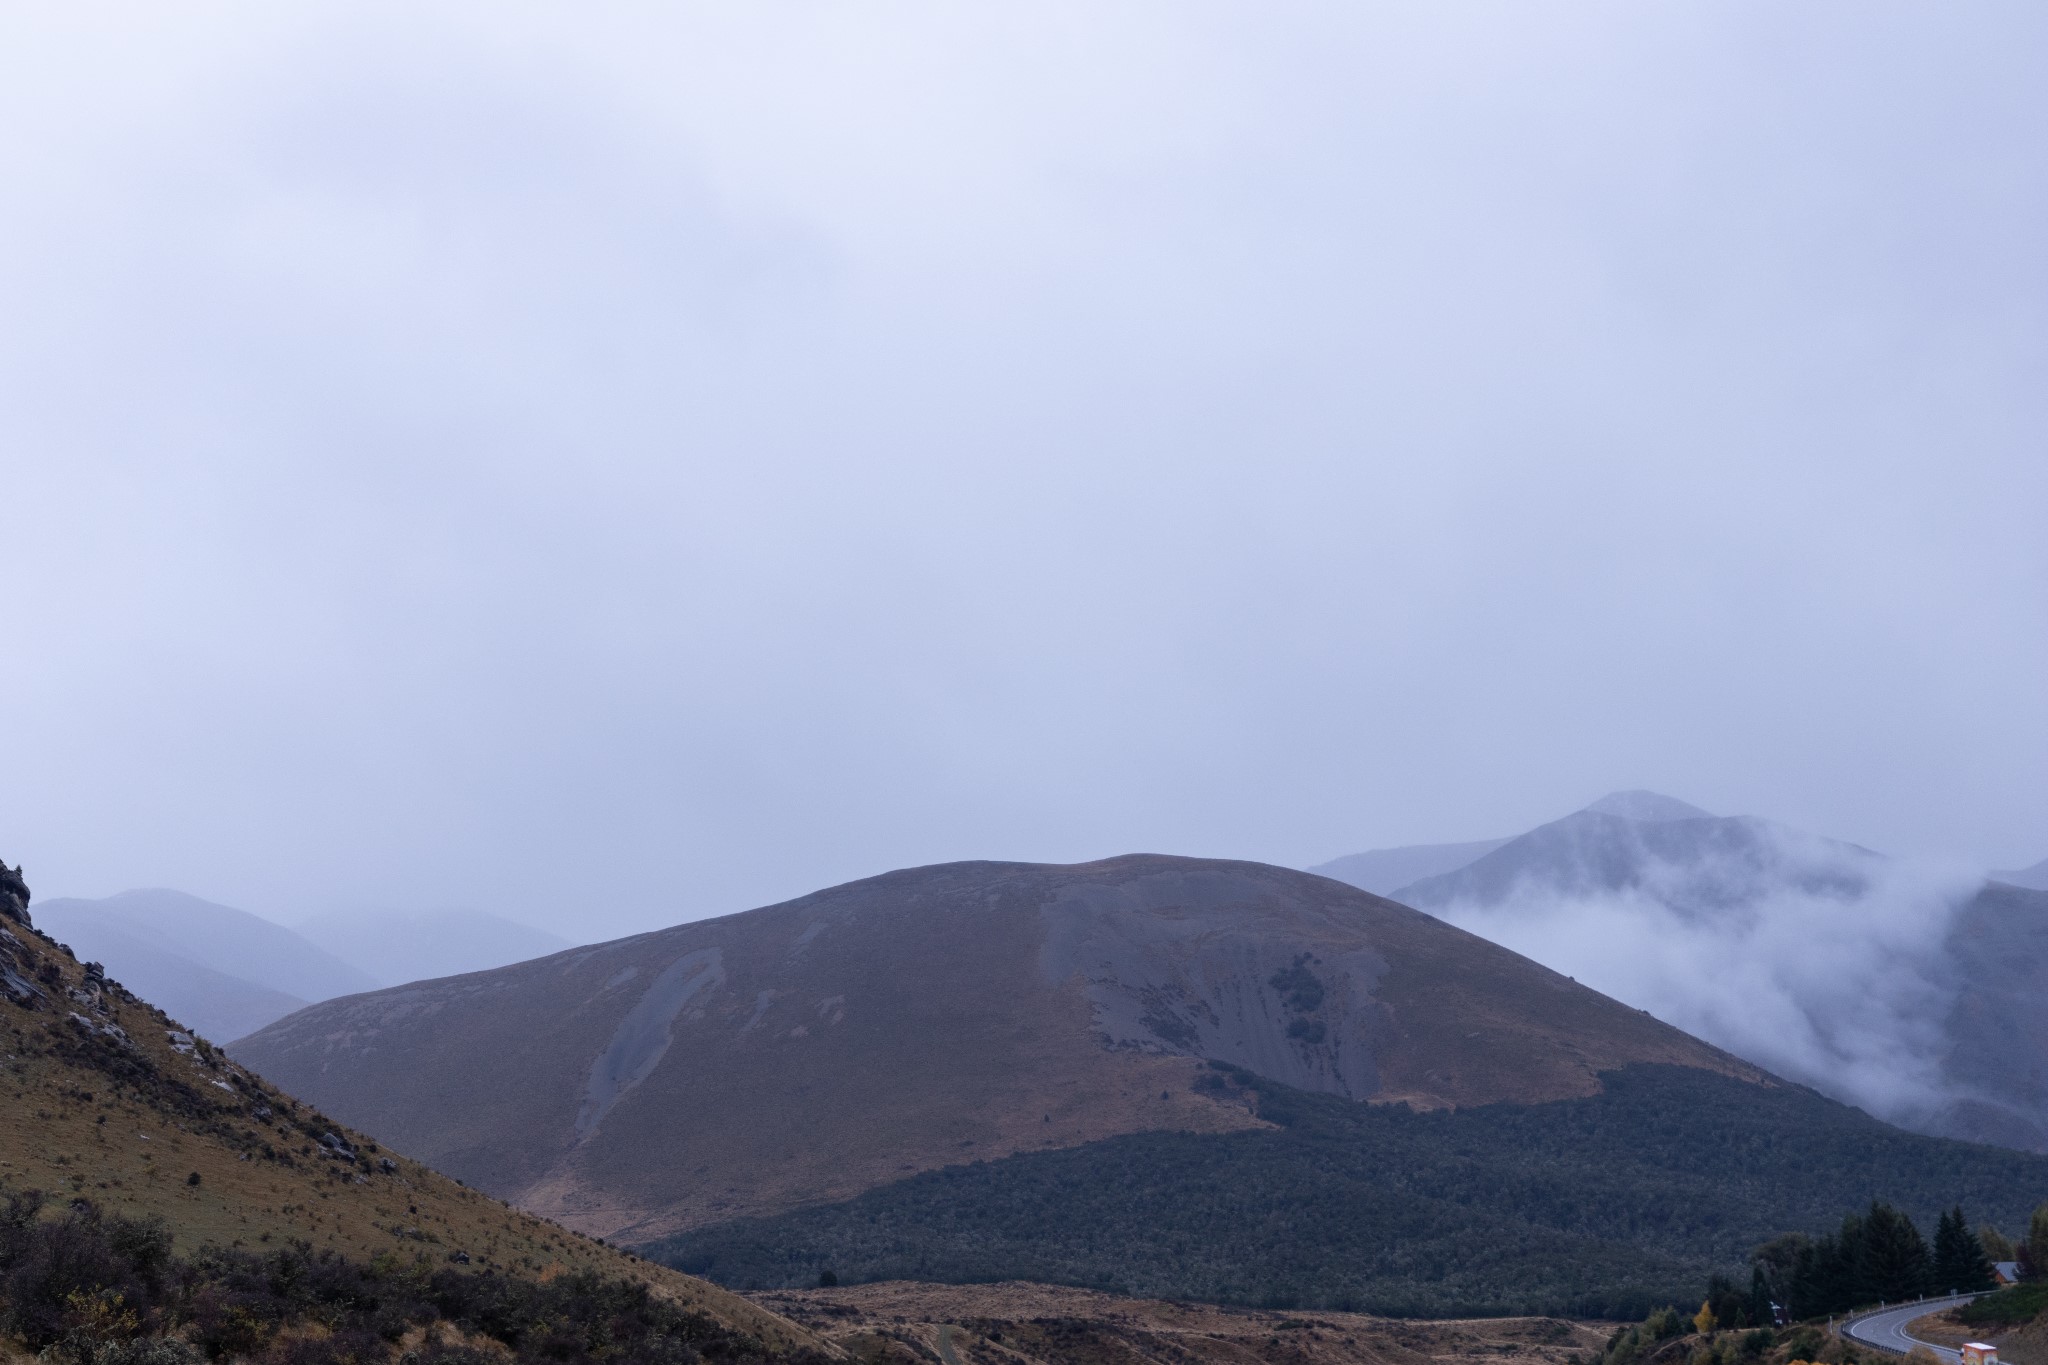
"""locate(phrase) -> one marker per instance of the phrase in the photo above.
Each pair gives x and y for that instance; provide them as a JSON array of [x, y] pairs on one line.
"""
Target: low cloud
[[1821, 962]]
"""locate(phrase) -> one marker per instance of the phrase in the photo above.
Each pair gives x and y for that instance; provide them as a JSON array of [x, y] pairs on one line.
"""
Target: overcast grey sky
[[621, 463]]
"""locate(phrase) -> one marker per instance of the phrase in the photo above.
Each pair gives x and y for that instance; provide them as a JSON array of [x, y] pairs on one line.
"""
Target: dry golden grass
[[1034, 1324], [127, 1124]]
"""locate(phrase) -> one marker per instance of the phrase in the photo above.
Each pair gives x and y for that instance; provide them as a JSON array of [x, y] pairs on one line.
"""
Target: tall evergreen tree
[[1960, 1263], [1894, 1261], [2033, 1254], [1823, 1278], [1779, 1260], [1760, 1298]]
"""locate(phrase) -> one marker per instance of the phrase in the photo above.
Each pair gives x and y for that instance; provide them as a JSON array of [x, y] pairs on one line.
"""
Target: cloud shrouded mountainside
[[813, 1049], [1384, 871], [1908, 989]]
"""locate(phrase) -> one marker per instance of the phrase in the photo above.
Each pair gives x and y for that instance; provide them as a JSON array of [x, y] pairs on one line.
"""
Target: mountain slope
[[107, 1099], [1602, 1206], [1995, 1036], [810, 1050]]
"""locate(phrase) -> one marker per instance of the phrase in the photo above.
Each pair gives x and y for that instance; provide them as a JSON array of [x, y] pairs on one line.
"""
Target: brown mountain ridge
[[805, 1052]]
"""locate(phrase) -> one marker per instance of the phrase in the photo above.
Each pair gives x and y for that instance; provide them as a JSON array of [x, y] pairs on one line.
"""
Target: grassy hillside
[[1604, 1206], [804, 1053], [103, 1098]]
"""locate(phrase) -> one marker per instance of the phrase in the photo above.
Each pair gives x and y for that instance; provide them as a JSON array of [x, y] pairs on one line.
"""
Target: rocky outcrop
[[13, 894], [15, 962]]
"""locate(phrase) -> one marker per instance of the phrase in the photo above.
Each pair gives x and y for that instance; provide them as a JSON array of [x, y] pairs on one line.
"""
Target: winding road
[[1886, 1328]]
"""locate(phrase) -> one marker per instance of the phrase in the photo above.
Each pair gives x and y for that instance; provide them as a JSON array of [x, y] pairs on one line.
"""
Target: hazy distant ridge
[[226, 972], [223, 971], [2035, 877]]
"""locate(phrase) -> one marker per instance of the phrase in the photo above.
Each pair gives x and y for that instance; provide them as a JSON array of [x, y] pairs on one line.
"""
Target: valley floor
[[1017, 1323]]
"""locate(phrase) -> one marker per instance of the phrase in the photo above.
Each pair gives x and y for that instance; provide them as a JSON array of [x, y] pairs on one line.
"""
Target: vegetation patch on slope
[[2006, 1308], [87, 1288], [1607, 1206]]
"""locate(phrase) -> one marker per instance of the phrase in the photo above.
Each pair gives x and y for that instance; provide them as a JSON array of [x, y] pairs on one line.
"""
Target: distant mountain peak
[[1650, 806]]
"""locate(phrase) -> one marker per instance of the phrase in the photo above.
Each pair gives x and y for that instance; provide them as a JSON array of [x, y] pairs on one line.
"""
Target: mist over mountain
[[2034, 878], [1384, 870], [223, 971], [227, 973], [1904, 987], [399, 946], [1647, 806]]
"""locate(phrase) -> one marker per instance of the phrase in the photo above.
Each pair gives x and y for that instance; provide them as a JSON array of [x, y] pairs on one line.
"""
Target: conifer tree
[[1894, 1263], [1823, 1279], [1960, 1263], [1760, 1314]]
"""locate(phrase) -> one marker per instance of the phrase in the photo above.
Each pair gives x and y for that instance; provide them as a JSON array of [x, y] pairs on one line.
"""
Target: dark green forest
[[1608, 1206]]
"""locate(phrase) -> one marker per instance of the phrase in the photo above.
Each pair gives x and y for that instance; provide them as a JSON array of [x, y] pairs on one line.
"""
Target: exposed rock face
[[15, 961], [807, 1051], [13, 894]]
